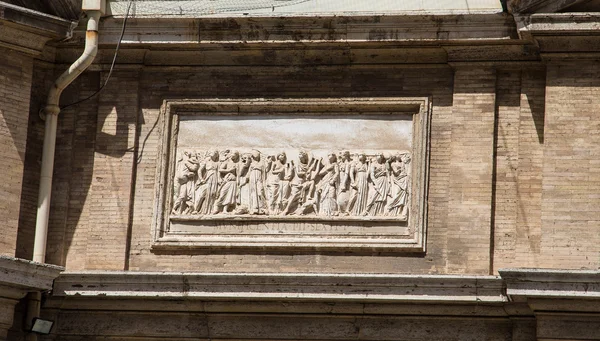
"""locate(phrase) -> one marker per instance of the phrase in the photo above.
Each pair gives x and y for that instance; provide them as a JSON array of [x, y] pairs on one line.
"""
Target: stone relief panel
[[326, 174], [345, 184]]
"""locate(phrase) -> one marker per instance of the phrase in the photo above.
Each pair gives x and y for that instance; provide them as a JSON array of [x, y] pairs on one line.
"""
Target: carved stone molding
[[335, 174]]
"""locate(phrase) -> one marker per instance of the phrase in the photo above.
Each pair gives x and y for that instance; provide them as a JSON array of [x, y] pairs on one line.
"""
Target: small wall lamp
[[41, 326]]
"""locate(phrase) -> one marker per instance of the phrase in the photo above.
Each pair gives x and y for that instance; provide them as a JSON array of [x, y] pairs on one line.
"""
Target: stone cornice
[[542, 6], [524, 284], [28, 275], [562, 23], [560, 35], [566, 303], [28, 31], [280, 286], [515, 285], [409, 28]]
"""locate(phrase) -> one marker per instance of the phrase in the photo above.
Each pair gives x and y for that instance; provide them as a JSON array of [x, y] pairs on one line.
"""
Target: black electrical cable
[[113, 61]]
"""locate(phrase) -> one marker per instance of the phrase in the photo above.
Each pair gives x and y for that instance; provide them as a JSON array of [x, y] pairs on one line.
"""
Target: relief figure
[[379, 176], [399, 187], [343, 186], [185, 183], [243, 196], [275, 174], [288, 175], [249, 182], [208, 184], [256, 174], [302, 184], [359, 179], [226, 199], [327, 187]]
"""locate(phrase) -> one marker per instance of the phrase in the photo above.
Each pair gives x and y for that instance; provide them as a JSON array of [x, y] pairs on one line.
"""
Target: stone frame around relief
[[292, 233]]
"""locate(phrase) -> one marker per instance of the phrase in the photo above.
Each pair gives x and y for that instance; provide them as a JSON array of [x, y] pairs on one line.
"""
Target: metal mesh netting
[[224, 8], [199, 7]]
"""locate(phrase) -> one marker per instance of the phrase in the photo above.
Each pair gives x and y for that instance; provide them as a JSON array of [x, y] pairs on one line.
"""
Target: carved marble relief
[[227, 182], [346, 175]]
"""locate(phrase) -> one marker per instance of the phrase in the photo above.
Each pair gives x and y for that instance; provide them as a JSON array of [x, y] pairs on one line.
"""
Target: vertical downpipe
[[51, 111]]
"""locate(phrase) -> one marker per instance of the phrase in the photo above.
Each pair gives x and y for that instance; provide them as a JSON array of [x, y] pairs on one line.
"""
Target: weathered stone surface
[[303, 287], [446, 27], [543, 6], [28, 31], [524, 284], [566, 302], [17, 278]]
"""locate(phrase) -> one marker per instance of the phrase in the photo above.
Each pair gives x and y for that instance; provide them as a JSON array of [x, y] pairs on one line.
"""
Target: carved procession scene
[[234, 183]]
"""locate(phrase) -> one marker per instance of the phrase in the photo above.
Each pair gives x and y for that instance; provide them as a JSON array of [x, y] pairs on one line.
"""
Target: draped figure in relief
[[226, 199], [208, 184], [359, 176], [399, 186], [326, 188], [288, 175], [302, 184], [275, 174], [343, 186], [256, 174], [379, 176], [184, 183], [243, 197]]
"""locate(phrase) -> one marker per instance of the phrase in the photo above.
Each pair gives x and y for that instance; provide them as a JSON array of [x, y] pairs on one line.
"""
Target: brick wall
[[571, 174], [110, 191], [490, 155], [470, 191], [15, 88], [518, 172], [76, 229]]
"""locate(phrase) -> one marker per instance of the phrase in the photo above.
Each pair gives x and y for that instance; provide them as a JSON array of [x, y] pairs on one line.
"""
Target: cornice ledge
[[561, 23], [524, 284], [539, 6], [280, 286], [433, 28], [28, 275], [28, 31]]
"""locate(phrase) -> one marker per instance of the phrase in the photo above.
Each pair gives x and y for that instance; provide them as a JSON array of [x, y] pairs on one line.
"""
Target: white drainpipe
[[94, 9]]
